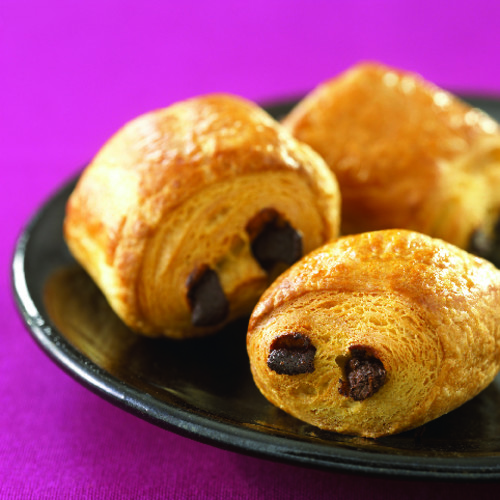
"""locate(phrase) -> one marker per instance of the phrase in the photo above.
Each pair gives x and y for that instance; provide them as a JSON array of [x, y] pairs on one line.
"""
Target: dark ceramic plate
[[203, 389]]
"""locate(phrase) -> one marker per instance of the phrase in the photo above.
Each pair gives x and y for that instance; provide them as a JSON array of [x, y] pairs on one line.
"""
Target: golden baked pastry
[[186, 212], [377, 333], [406, 154]]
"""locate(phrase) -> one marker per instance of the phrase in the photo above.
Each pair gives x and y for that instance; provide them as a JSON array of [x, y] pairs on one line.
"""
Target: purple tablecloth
[[70, 74]]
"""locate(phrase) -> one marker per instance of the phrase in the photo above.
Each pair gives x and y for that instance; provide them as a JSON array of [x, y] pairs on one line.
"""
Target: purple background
[[70, 74]]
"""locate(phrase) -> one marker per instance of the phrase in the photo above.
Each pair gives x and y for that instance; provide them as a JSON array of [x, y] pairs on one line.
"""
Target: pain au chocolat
[[406, 154], [377, 333], [187, 213]]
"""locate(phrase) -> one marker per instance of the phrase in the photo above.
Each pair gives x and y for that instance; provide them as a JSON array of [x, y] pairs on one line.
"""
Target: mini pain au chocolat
[[187, 214], [406, 154], [377, 333]]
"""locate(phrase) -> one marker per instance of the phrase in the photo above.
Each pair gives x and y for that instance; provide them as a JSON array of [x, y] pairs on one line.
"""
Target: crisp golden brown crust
[[173, 191], [406, 153], [426, 310]]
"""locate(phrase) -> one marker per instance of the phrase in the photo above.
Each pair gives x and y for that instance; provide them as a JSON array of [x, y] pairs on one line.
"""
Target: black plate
[[203, 388]]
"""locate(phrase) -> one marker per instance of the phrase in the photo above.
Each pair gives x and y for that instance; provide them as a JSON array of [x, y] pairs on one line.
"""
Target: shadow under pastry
[[208, 373], [210, 376]]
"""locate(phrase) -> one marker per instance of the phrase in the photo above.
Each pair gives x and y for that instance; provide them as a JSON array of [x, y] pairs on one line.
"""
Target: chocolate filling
[[273, 239], [291, 354], [486, 245], [365, 374], [209, 305]]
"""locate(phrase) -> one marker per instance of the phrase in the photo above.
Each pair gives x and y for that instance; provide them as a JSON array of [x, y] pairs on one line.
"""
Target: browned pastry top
[[390, 261], [165, 156], [406, 153]]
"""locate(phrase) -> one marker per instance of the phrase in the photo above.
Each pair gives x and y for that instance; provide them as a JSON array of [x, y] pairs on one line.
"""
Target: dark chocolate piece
[[209, 305], [273, 240], [486, 244], [291, 354], [365, 374], [480, 243]]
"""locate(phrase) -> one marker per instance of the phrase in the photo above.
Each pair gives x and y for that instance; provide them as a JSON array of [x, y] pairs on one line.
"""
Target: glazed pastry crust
[[427, 310], [173, 191], [406, 153]]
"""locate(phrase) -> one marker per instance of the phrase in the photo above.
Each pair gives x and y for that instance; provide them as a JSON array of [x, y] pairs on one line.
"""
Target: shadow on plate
[[211, 377]]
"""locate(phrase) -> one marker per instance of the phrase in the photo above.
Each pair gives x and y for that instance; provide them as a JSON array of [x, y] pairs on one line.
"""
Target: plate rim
[[201, 428]]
